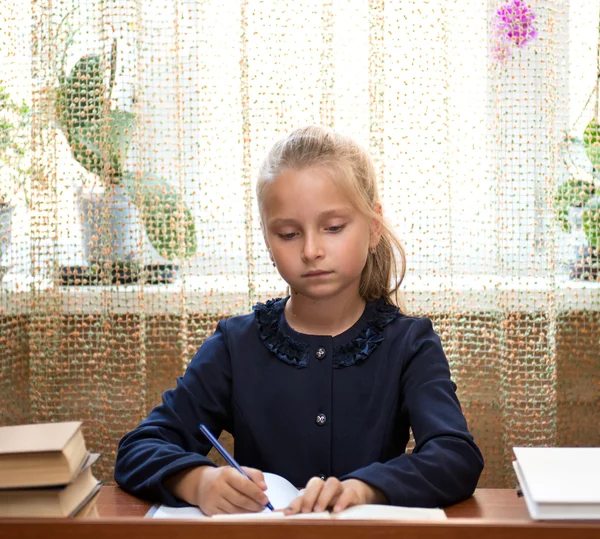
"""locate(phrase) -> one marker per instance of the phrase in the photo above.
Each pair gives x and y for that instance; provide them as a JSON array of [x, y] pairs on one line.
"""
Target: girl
[[320, 387]]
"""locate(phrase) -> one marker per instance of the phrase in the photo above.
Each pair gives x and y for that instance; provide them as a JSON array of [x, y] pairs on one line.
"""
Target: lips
[[317, 273]]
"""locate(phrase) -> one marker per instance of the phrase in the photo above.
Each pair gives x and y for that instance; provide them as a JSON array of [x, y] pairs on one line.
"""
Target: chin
[[315, 293]]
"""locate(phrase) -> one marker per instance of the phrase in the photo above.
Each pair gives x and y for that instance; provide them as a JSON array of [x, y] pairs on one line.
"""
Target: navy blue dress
[[311, 405]]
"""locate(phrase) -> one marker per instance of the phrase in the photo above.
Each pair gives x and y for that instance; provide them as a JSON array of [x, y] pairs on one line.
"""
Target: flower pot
[[575, 252], [111, 232], [587, 264], [115, 245]]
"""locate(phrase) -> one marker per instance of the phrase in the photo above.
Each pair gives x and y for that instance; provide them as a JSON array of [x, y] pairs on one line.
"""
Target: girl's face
[[318, 240]]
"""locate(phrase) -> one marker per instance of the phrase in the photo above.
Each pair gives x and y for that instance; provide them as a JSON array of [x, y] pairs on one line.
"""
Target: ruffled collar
[[352, 346]]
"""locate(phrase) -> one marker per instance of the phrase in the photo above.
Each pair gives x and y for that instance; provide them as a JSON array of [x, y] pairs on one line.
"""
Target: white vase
[[111, 232], [114, 237]]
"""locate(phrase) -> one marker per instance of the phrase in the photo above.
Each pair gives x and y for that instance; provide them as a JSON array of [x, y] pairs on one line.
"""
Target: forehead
[[307, 191]]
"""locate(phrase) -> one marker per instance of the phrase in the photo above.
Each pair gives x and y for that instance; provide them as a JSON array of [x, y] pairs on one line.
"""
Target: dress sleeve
[[445, 465], [168, 440]]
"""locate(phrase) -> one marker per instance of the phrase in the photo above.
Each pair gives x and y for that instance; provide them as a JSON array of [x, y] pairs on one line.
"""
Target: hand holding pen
[[237, 500]]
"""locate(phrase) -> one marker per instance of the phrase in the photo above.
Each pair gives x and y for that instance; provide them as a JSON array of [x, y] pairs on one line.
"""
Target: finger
[[257, 477], [228, 508], [241, 501], [331, 491], [245, 486], [348, 498], [294, 506], [313, 489]]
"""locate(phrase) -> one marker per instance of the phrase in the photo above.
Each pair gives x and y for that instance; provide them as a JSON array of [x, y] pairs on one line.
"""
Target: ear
[[376, 226]]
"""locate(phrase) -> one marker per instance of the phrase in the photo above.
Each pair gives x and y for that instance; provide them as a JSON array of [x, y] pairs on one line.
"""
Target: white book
[[281, 493], [559, 483]]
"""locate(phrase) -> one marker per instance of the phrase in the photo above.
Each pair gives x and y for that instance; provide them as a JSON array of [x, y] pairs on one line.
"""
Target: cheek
[[354, 255], [283, 254]]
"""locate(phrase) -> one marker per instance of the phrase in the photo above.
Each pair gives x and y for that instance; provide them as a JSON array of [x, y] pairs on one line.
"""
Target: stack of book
[[559, 482], [45, 470]]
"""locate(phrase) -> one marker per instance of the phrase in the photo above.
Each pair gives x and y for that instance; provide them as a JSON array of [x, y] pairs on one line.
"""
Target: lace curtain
[[131, 134]]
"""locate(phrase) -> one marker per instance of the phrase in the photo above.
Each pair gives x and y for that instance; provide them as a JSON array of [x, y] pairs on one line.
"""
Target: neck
[[328, 316]]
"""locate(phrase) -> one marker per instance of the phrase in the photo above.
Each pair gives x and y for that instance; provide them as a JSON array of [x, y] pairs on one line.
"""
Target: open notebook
[[281, 493]]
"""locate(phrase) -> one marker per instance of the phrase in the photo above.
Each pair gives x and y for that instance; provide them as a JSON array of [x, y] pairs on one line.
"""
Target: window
[[468, 151]]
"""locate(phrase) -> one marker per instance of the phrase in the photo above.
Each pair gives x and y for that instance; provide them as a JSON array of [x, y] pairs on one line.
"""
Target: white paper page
[[360, 512], [389, 512], [277, 515], [279, 491], [166, 511]]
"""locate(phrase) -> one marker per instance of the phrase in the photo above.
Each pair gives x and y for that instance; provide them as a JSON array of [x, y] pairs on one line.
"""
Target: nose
[[312, 248]]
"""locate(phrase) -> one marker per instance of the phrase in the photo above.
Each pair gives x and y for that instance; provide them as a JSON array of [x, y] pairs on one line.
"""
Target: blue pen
[[227, 456]]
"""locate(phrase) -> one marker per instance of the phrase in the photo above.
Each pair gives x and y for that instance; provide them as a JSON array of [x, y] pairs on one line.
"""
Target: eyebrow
[[336, 212]]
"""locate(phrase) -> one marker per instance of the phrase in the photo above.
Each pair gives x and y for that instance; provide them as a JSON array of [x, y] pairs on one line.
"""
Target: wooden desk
[[489, 514]]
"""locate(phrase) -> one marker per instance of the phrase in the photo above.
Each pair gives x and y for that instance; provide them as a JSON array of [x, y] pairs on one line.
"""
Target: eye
[[288, 236], [336, 228]]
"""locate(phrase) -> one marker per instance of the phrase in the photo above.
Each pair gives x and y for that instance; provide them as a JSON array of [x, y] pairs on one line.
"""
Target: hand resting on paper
[[220, 490], [334, 494]]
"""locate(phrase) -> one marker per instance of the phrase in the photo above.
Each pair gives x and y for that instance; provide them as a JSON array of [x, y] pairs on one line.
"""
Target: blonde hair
[[351, 167]]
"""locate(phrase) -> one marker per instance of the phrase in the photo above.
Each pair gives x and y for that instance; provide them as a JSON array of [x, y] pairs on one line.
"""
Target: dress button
[[320, 353], [321, 419], [322, 476]]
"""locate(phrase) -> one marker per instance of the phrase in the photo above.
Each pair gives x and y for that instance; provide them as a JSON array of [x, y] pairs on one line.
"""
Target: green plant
[[578, 192], [591, 141], [575, 192], [591, 222], [99, 138], [581, 193], [591, 206], [15, 122]]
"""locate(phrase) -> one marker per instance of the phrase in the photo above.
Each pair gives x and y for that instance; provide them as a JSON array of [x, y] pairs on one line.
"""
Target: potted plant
[[577, 200], [577, 211], [99, 138], [14, 166]]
